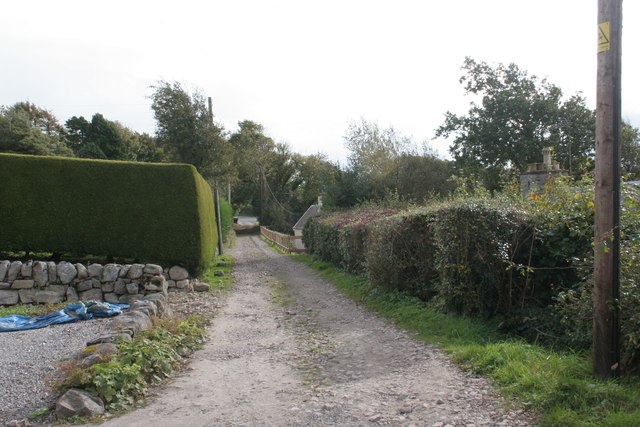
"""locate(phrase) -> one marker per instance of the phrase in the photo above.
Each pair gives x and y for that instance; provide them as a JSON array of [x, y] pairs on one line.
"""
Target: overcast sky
[[302, 69]]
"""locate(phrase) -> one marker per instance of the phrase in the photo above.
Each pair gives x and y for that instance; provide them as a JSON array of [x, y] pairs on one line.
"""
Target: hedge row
[[340, 237], [473, 256], [226, 216], [160, 213]]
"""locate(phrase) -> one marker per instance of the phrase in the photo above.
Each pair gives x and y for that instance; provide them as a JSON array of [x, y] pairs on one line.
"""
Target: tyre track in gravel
[[288, 349]]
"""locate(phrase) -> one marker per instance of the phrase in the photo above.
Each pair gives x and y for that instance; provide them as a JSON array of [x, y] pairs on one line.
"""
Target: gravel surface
[[284, 349], [287, 349], [28, 360]]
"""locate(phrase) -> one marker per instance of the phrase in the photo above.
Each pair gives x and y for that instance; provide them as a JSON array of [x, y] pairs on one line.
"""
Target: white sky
[[302, 69]]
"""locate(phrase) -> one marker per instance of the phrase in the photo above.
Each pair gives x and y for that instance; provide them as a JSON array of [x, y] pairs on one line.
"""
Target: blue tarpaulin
[[83, 310]]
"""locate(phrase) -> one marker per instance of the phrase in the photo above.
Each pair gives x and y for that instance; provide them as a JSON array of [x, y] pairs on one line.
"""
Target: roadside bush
[[400, 252], [138, 363], [574, 306], [340, 237], [321, 238], [530, 263], [479, 249], [226, 217]]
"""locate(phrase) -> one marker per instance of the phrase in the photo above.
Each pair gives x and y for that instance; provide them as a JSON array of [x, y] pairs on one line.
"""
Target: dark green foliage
[[109, 140], [226, 215], [91, 150], [186, 131], [150, 212], [465, 253], [527, 263], [28, 129], [517, 115], [478, 245], [340, 237], [106, 136], [405, 242]]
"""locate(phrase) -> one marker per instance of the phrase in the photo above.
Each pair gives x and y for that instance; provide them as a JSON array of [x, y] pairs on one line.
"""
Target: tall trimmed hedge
[[159, 213]]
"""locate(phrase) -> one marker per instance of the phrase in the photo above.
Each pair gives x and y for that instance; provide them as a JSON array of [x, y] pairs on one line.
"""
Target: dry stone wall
[[47, 282]]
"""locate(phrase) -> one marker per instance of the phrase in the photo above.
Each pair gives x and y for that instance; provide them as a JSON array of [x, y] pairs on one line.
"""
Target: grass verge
[[556, 385], [218, 275], [30, 310]]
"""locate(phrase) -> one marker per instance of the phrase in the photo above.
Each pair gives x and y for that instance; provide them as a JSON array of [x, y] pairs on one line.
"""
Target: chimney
[[320, 200]]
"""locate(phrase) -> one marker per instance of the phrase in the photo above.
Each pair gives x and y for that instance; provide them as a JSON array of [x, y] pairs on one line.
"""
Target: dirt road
[[288, 350]]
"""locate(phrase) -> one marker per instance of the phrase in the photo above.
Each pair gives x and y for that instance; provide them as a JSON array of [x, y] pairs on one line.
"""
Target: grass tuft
[[220, 283], [31, 310]]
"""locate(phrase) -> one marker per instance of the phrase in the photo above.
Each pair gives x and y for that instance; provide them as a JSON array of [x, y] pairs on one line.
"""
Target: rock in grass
[[78, 403], [201, 287]]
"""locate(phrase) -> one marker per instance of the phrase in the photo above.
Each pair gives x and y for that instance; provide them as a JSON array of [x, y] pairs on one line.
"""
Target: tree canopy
[[382, 161], [28, 129], [514, 115], [187, 132]]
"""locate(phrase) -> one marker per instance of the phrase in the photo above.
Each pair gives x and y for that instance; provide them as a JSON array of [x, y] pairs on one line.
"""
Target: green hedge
[[226, 215], [469, 256], [159, 213], [340, 237], [400, 253], [480, 255]]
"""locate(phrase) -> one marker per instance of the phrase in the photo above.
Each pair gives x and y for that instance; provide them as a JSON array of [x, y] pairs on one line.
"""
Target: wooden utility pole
[[606, 326]]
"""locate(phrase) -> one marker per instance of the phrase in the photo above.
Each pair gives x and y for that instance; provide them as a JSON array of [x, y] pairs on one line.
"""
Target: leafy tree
[[77, 129], [314, 175], [146, 148], [28, 129], [108, 137], [250, 151], [630, 151], [350, 188], [515, 117], [289, 182], [419, 177], [264, 172], [279, 211], [373, 153], [186, 130], [383, 162]]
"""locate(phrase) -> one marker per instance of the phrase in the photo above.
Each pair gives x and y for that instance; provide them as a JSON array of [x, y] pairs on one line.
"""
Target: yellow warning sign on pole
[[604, 43]]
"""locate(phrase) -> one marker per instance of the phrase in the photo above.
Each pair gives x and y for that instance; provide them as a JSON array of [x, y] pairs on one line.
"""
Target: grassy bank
[[556, 385], [218, 275]]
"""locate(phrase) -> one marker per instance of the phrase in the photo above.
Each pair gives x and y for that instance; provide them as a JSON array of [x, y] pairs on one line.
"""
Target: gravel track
[[287, 349]]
